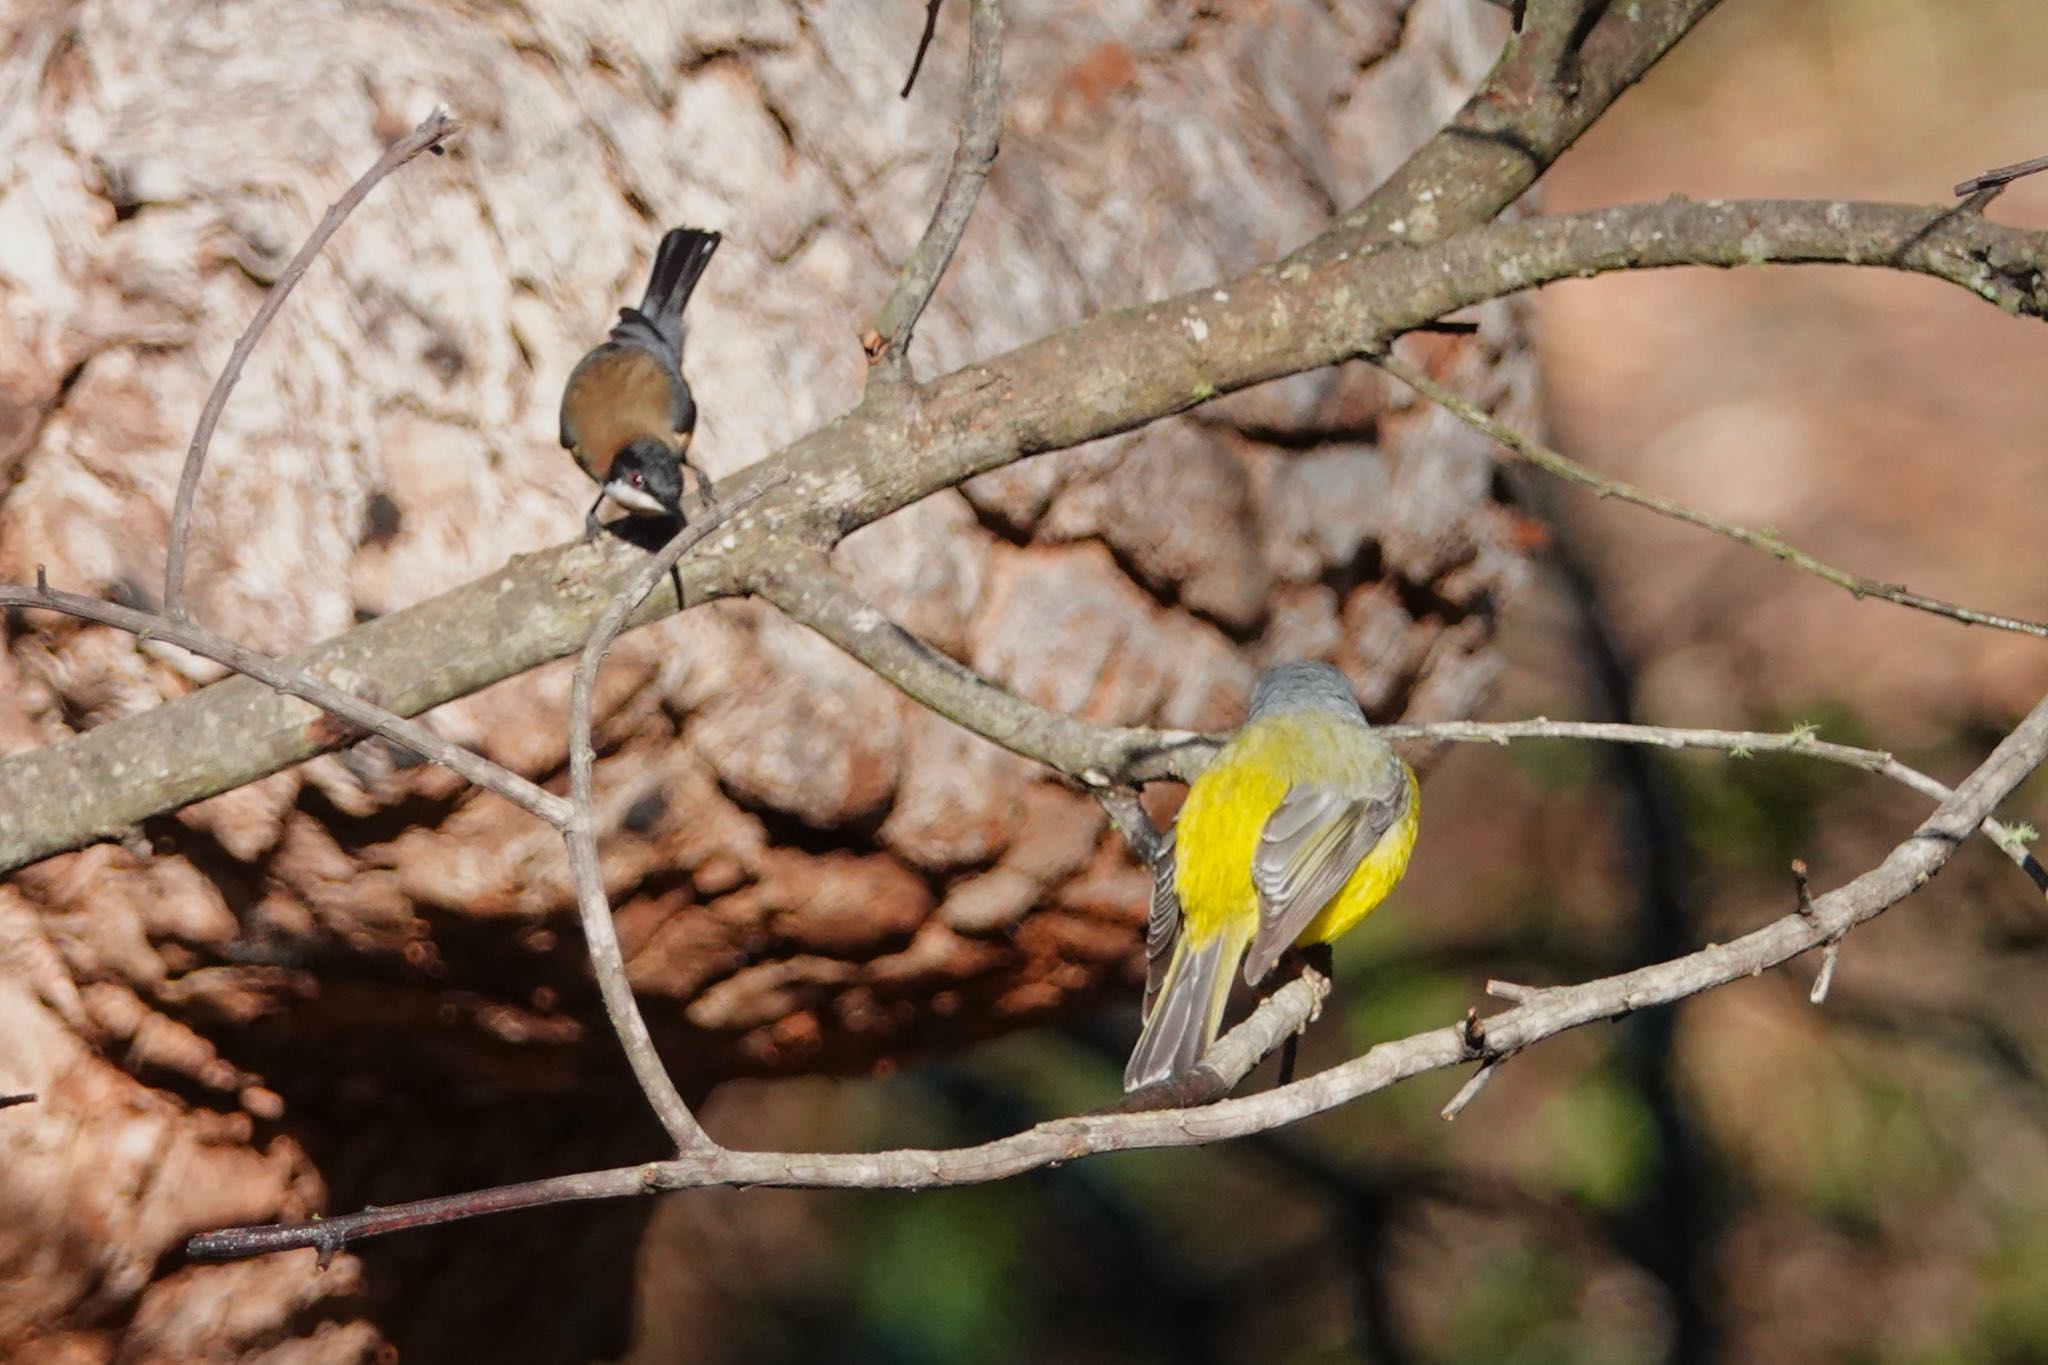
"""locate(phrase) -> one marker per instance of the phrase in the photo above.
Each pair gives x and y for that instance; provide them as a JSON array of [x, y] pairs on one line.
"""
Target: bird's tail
[[1187, 1012], [678, 264]]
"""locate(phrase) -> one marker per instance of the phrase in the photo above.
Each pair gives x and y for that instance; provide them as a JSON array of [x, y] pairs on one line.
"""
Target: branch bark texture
[[1097, 379]]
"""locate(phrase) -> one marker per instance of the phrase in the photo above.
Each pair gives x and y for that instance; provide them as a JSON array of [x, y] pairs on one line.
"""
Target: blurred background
[[1747, 1177]]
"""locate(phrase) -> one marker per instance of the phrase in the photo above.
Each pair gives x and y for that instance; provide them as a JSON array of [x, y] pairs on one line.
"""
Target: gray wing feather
[[1162, 925], [1308, 849]]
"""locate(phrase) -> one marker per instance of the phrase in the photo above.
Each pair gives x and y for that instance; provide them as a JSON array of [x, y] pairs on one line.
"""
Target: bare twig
[[1544, 1014], [1571, 471], [1829, 953], [1800, 740], [798, 580], [433, 132], [359, 713], [924, 43], [1469, 1091], [981, 124], [571, 817], [2000, 177], [593, 906], [1147, 841], [9, 1101]]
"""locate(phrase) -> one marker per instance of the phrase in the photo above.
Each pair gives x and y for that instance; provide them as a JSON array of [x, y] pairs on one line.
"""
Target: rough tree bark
[[357, 981]]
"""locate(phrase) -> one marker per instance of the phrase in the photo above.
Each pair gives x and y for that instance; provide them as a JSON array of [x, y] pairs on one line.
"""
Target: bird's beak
[[635, 499]]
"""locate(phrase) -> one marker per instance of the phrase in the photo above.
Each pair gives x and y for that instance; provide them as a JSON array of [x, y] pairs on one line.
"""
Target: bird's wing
[[1308, 849], [1162, 925]]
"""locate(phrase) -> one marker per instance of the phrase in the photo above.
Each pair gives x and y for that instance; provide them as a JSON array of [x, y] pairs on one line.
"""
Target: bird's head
[[1305, 686], [647, 477]]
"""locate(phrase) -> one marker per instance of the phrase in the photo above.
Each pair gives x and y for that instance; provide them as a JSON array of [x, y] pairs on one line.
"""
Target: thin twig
[[295, 682], [9, 1101], [1829, 953], [433, 132], [1545, 1014], [1469, 1091], [1802, 887], [2000, 177], [1800, 741], [981, 126], [800, 581], [1571, 471], [924, 43], [1147, 841], [593, 906]]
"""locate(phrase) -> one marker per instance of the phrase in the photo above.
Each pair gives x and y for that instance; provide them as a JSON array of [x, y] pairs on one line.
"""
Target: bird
[[627, 411], [1297, 829]]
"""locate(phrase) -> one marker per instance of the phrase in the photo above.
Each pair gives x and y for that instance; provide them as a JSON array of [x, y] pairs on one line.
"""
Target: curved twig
[[433, 132], [593, 906], [806, 589]]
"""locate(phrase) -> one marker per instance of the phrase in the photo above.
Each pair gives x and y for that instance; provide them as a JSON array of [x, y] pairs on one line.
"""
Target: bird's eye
[[637, 479]]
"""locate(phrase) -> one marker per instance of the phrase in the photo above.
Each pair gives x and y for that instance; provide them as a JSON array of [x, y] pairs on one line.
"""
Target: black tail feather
[[678, 264]]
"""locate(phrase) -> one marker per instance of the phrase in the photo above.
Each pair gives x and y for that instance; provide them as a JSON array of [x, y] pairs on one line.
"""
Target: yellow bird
[[1301, 824]]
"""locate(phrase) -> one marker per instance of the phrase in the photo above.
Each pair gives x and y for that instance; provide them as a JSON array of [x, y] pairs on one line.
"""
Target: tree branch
[[798, 580], [1562, 467], [1541, 1014], [286, 679], [981, 124], [1551, 82], [434, 131], [593, 906], [1109, 374], [1112, 759]]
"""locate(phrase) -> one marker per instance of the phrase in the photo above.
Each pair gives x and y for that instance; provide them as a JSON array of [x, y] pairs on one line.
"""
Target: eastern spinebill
[[627, 413], [1299, 826]]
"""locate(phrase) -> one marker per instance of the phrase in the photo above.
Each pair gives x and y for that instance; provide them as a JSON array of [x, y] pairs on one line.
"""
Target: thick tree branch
[[981, 126], [1542, 1013], [1112, 373], [1554, 78], [431, 135], [1560, 466]]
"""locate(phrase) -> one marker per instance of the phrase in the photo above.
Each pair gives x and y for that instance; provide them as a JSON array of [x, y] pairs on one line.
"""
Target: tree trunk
[[358, 982]]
